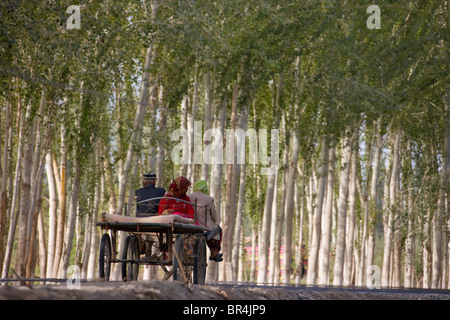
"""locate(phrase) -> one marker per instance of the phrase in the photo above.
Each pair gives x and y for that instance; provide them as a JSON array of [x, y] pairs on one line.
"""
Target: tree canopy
[[85, 111]]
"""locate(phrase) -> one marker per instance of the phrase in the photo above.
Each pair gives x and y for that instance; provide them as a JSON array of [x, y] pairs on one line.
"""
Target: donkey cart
[[172, 242]]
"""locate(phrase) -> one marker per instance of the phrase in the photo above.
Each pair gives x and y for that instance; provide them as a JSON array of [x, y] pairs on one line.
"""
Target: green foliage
[[336, 73]]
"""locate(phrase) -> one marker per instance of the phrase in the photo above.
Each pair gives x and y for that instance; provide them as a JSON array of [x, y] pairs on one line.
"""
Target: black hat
[[149, 176]]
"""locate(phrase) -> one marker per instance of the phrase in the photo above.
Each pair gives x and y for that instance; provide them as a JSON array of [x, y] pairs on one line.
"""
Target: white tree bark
[[273, 244], [253, 256], [183, 124], [368, 261], [216, 188], [349, 264], [6, 160], [236, 252], [409, 244], [35, 210], [265, 232], [445, 176], [437, 221], [42, 246], [62, 182], [426, 254], [299, 251], [24, 200], [70, 228], [326, 223], [231, 178], [388, 237], [94, 235], [52, 211], [190, 126], [289, 210], [317, 217], [342, 211], [240, 205], [207, 119], [162, 123], [13, 213]]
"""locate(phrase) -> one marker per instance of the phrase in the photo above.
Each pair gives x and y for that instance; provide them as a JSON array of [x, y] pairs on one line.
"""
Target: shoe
[[218, 258]]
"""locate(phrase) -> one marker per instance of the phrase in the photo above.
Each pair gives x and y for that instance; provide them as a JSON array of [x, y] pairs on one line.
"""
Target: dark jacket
[[150, 207]]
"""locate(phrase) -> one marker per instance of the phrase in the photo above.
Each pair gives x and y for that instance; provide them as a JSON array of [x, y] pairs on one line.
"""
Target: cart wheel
[[130, 269], [104, 259], [200, 261], [178, 258]]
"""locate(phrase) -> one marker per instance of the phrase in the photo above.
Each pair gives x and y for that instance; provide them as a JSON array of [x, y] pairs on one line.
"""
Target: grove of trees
[[363, 116]]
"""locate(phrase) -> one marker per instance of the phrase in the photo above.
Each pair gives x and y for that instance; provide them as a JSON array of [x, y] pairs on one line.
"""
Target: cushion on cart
[[106, 217]]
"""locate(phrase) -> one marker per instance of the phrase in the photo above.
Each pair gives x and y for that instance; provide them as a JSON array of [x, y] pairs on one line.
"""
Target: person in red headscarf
[[177, 189]]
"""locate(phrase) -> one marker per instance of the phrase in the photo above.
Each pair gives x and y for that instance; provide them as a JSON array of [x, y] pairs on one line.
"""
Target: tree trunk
[[426, 251], [24, 201], [448, 257], [438, 218], [86, 251], [445, 180], [36, 176], [182, 167], [229, 215], [269, 197], [35, 210], [326, 223], [349, 241], [161, 179], [254, 255], [207, 120], [240, 204], [13, 213], [51, 214], [191, 132], [278, 235], [62, 203], [68, 241], [273, 244], [94, 235], [289, 211], [342, 211], [278, 216], [409, 242], [265, 231], [372, 201], [42, 246], [6, 156], [360, 258], [300, 245], [317, 217], [216, 188], [237, 231], [241, 271], [388, 238]]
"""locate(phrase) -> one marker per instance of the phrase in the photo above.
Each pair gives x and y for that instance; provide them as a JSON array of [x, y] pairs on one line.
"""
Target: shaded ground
[[159, 290]]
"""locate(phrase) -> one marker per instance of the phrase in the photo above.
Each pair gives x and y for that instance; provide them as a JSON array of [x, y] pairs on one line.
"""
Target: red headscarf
[[179, 187]]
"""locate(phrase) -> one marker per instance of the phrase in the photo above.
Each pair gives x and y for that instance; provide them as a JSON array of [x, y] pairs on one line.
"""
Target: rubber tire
[[199, 261], [104, 259], [130, 270], [178, 250]]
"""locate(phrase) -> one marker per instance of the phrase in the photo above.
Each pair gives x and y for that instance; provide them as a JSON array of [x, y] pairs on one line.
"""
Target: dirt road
[[159, 290]]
